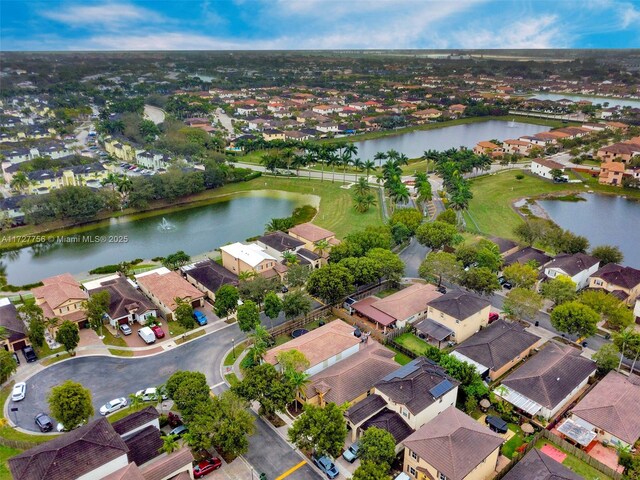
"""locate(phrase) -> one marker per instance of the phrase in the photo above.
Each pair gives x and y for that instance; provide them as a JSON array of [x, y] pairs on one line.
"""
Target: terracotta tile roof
[[365, 307], [135, 420], [625, 277], [144, 445], [408, 301], [320, 344], [311, 232], [59, 289], [71, 455], [459, 304], [130, 472], [168, 286], [365, 408], [165, 465], [550, 375], [411, 384], [621, 148], [390, 421], [536, 465], [612, 406], [612, 167], [453, 443], [354, 376], [498, 344]]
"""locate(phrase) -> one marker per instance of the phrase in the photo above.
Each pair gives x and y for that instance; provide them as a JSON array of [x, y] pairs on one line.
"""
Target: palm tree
[[134, 401], [399, 193], [362, 203], [299, 380], [348, 152], [358, 164], [322, 246], [290, 258], [161, 391], [52, 324], [169, 444], [259, 338], [332, 160], [297, 162], [623, 338], [110, 179], [380, 157], [20, 182], [246, 275], [362, 186], [402, 159]]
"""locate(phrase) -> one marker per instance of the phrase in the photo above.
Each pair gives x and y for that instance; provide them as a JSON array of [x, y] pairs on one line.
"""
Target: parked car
[[113, 405], [44, 423], [16, 358], [147, 335], [327, 467], [126, 329], [284, 289], [507, 285], [179, 431], [351, 453], [204, 467], [149, 394], [200, 318], [19, 391], [493, 316], [29, 354], [61, 428], [442, 289], [157, 331]]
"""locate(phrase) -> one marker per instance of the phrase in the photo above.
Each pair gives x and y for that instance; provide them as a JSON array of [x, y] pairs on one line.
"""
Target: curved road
[[111, 377]]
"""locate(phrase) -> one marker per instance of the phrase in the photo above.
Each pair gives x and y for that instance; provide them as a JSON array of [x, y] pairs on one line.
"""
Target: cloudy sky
[[317, 24]]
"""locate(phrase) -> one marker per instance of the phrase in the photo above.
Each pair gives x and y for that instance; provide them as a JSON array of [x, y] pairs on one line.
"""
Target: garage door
[[123, 321], [196, 303], [19, 345]]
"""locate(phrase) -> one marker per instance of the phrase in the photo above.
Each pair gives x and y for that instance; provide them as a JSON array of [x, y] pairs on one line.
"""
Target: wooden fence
[[567, 447], [291, 325]]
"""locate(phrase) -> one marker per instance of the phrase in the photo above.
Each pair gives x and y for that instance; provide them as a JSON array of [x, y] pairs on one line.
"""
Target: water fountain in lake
[[165, 225], [512, 124]]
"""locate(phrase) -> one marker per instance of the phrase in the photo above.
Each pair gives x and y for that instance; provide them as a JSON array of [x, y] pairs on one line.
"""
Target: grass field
[[578, 466], [509, 448], [5, 454], [412, 342], [400, 357], [493, 195]]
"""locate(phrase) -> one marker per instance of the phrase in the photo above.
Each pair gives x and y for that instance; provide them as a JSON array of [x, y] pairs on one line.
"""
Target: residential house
[[608, 413], [418, 391], [20, 154], [387, 419], [137, 421], [536, 465], [278, 244], [548, 381], [163, 287], [527, 255], [270, 134], [506, 246], [454, 317], [327, 109], [457, 109], [452, 446], [208, 276], [621, 152], [11, 208], [328, 127], [312, 235], [126, 303], [623, 282], [611, 173], [43, 181], [519, 147], [121, 151], [323, 347], [62, 297], [427, 114], [352, 379], [153, 160], [488, 148], [14, 327], [494, 350], [543, 167], [238, 258], [406, 306], [578, 267]]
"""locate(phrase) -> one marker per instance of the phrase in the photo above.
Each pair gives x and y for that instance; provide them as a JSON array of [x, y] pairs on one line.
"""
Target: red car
[[493, 316], [206, 466], [157, 331]]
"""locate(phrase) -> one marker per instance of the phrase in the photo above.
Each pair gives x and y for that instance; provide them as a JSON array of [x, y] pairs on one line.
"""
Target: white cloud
[[541, 32], [170, 41], [107, 15], [629, 16]]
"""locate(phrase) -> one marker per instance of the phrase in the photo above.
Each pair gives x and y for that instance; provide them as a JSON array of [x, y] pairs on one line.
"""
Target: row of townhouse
[[18, 153], [125, 152]]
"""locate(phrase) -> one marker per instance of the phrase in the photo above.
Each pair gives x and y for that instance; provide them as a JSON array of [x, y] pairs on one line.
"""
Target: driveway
[[412, 256]]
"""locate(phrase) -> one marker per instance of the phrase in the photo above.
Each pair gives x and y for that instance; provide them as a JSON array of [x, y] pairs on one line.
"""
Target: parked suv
[[200, 318], [44, 423], [29, 354], [325, 464], [351, 453]]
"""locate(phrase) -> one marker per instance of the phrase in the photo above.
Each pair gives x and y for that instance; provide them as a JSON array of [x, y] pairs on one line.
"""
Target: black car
[[442, 289], [29, 354], [507, 285], [43, 422]]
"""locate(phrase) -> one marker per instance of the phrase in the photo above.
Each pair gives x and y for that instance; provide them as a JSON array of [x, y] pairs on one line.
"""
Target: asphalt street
[[412, 256]]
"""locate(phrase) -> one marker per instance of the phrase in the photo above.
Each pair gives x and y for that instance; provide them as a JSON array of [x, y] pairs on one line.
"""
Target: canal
[[194, 230], [414, 144], [603, 219]]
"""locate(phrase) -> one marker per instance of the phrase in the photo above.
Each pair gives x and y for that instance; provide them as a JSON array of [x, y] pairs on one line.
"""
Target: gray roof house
[[536, 465]]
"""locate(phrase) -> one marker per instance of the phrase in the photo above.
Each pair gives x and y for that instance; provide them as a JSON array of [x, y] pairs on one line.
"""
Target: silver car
[[113, 406], [125, 329]]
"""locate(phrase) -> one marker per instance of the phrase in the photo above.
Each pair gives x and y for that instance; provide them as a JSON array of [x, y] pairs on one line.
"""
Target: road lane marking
[[291, 470], [217, 385]]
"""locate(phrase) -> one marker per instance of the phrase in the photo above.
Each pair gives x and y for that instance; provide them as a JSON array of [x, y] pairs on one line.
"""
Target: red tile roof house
[[406, 306], [452, 446], [623, 282], [548, 381], [611, 173], [62, 297], [607, 414], [163, 286], [323, 347]]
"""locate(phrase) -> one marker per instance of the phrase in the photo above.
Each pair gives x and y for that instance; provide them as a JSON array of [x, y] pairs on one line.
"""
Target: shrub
[[519, 176], [164, 421]]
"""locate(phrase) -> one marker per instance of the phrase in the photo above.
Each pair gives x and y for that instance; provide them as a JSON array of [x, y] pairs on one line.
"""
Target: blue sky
[[317, 24]]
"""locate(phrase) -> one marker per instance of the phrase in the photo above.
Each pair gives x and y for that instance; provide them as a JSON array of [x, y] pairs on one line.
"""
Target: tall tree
[[481, 280], [575, 318], [272, 306], [248, 316], [330, 282], [8, 365], [559, 290], [371, 471], [520, 275], [226, 301], [70, 403], [606, 358], [441, 266], [265, 385], [522, 304], [183, 313], [437, 235], [321, 429], [607, 254], [96, 307], [295, 304], [68, 336], [377, 446]]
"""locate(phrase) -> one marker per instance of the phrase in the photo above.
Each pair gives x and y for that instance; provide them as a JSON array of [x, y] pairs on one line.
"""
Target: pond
[[603, 219], [194, 230], [613, 102], [413, 144]]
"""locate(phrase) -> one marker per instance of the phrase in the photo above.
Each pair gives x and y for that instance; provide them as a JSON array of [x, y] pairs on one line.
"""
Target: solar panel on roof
[[441, 388], [403, 371]]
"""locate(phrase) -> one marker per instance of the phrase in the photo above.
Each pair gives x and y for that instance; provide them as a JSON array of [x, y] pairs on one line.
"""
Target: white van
[[147, 335]]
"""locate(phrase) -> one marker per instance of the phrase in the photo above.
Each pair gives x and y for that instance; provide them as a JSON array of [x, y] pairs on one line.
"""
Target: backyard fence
[[567, 447], [17, 444], [291, 325]]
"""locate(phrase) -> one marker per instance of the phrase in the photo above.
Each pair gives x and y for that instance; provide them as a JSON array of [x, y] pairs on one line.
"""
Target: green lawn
[[578, 466], [233, 355], [412, 342], [127, 411], [509, 448], [112, 340], [5, 454], [189, 336], [45, 351], [387, 292], [121, 353], [400, 357]]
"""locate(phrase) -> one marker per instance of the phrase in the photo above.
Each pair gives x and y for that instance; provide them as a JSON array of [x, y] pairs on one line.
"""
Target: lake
[[413, 144], [613, 102], [195, 230], [603, 219]]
